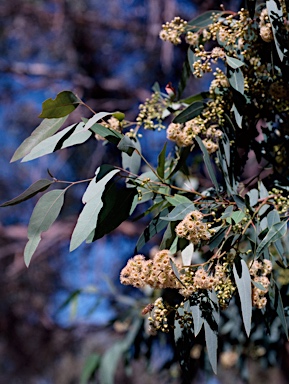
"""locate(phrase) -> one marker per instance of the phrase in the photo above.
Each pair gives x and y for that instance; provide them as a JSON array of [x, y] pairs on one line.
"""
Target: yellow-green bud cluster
[[151, 112]]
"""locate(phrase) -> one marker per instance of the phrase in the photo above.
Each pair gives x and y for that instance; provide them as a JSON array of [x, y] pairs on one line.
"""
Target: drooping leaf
[[133, 162], [211, 338], [110, 135], [90, 366], [43, 216], [174, 247], [169, 236], [191, 59], [161, 162], [277, 231], [243, 282], [64, 103], [276, 17], [187, 254], [72, 135], [177, 200], [234, 63], [116, 209], [208, 164], [154, 227], [273, 217], [197, 319], [253, 197], [185, 75], [263, 190], [89, 215], [46, 129], [39, 186], [217, 238], [193, 110], [175, 270], [276, 301], [179, 212]]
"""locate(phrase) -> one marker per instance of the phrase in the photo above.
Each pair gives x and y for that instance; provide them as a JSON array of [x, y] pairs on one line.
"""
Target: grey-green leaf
[[234, 63], [243, 282], [207, 161], [212, 345], [39, 186], [197, 318], [44, 214], [46, 129], [277, 231], [187, 254], [193, 110], [87, 219], [179, 212]]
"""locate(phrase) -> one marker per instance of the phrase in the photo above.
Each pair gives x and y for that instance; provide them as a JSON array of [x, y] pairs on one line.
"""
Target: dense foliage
[[224, 251]]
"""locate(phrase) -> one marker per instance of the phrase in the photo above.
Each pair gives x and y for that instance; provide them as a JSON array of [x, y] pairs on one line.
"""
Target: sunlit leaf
[[277, 231], [187, 254], [193, 110], [179, 212], [44, 214], [89, 215], [197, 318], [243, 282], [46, 129]]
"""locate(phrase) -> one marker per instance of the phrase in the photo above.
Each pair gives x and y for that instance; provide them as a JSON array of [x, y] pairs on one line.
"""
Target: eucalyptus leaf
[[243, 282], [39, 186], [88, 217], [46, 129], [234, 63], [204, 19], [211, 338], [277, 231], [187, 255], [193, 110], [177, 200], [161, 162], [64, 103], [197, 318], [207, 161], [90, 365], [43, 216], [179, 212]]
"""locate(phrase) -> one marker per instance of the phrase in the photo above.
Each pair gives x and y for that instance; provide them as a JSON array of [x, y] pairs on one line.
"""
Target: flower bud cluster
[[184, 134], [157, 272], [193, 228], [158, 319], [259, 271], [265, 26], [151, 112], [171, 31]]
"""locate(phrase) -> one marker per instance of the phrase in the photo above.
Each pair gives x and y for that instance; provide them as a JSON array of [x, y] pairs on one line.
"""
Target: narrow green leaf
[[175, 270], [161, 162], [179, 212], [207, 161], [154, 227], [46, 129], [39, 186], [211, 338], [177, 200], [174, 246], [88, 217], [234, 63], [109, 363], [90, 366], [197, 318], [275, 15], [276, 301], [169, 236], [43, 216], [193, 110], [110, 135], [74, 134], [191, 59], [277, 231], [243, 282], [64, 103]]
